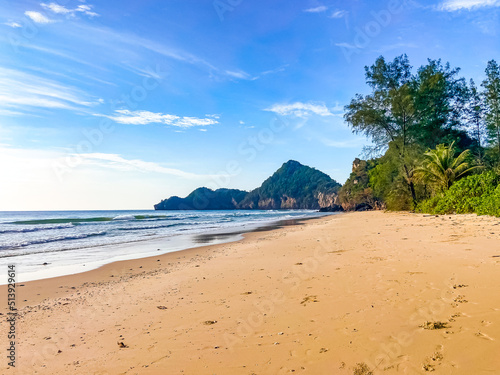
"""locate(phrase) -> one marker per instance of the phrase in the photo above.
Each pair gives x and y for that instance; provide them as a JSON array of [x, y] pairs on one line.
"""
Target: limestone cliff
[[293, 186]]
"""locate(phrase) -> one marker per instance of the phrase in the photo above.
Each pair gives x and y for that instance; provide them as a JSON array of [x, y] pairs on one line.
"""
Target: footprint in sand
[[307, 299], [430, 363], [484, 336], [454, 316], [460, 299]]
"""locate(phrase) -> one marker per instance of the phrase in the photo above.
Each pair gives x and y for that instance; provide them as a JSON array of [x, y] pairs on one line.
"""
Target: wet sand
[[393, 293]]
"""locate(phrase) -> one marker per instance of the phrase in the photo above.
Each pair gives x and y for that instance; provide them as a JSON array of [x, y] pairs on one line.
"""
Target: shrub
[[474, 194]]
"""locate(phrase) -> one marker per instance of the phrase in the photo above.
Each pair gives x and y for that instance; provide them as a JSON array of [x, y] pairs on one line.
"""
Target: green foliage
[[474, 194], [204, 199], [292, 186], [292, 180], [441, 168], [492, 99], [439, 99], [390, 181], [410, 113], [407, 113], [356, 191], [476, 119]]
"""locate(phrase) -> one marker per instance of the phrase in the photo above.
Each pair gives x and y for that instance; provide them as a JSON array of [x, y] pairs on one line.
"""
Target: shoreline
[[397, 292], [120, 268], [57, 262]]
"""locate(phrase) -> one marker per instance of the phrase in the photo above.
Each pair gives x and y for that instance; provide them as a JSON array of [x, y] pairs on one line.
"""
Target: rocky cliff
[[293, 186], [204, 199]]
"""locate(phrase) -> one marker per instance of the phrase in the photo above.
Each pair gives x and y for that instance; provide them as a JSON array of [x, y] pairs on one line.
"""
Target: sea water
[[46, 244]]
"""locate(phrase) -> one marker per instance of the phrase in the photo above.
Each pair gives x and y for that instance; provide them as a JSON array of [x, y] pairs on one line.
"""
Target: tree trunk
[[413, 194], [498, 138], [411, 186]]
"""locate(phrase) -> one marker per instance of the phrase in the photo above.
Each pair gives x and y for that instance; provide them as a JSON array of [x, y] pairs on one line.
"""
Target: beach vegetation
[[435, 139], [441, 168]]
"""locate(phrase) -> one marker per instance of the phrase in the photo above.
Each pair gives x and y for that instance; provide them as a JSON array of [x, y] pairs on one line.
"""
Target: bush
[[478, 194]]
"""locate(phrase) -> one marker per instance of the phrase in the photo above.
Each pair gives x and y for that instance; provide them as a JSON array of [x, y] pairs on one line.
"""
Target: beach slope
[[395, 293]]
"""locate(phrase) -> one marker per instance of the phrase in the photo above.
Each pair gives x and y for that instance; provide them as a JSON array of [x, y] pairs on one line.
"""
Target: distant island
[[293, 186]]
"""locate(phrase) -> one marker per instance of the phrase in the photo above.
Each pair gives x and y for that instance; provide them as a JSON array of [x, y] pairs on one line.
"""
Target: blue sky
[[118, 104]]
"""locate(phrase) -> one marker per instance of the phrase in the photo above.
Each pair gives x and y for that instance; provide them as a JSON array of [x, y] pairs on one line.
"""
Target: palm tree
[[442, 168]]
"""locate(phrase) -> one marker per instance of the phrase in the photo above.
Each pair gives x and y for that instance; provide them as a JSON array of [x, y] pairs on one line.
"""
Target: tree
[[475, 115], [491, 87], [440, 101], [441, 168], [387, 115]]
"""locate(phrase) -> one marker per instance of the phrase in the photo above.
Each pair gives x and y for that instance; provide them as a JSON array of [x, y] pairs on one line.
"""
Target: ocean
[[46, 244]]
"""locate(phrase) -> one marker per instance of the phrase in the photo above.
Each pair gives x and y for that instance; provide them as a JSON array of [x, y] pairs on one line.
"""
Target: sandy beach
[[391, 293]]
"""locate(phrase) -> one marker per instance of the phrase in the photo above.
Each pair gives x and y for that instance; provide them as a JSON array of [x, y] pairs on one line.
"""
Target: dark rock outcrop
[[333, 208], [357, 194]]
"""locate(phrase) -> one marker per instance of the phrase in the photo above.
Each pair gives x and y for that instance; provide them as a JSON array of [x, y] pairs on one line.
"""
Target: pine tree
[[491, 87], [475, 114]]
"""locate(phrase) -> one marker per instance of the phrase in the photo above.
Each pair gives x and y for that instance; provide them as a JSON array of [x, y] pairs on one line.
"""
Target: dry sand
[[401, 293]]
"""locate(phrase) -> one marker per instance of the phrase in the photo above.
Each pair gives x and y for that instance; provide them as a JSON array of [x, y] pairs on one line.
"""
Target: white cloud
[[37, 17], [338, 108], [56, 8], [349, 143], [238, 74], [318, 9], [125, 116], [271, 71], [8, 112], [21, 91], [13, 24], [86, 9], [111, 40], [189, 122], [455, 5], [59, 9], [299, 109], [338, 14]]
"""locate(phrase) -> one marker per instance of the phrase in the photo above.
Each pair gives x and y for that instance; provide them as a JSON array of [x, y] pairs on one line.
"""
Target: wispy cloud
[[456, 5], [391, 47], [346, 45], [114, 40], [125, 116], [65, 56], [37, 17], [318, 9], [13, 24], [56, 8], [59, 9], [21, 91], [238, 74], [118, 162], [8, 112], [299, 109], [349, 143], [86, 9], [338, 14], [272, 71]]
